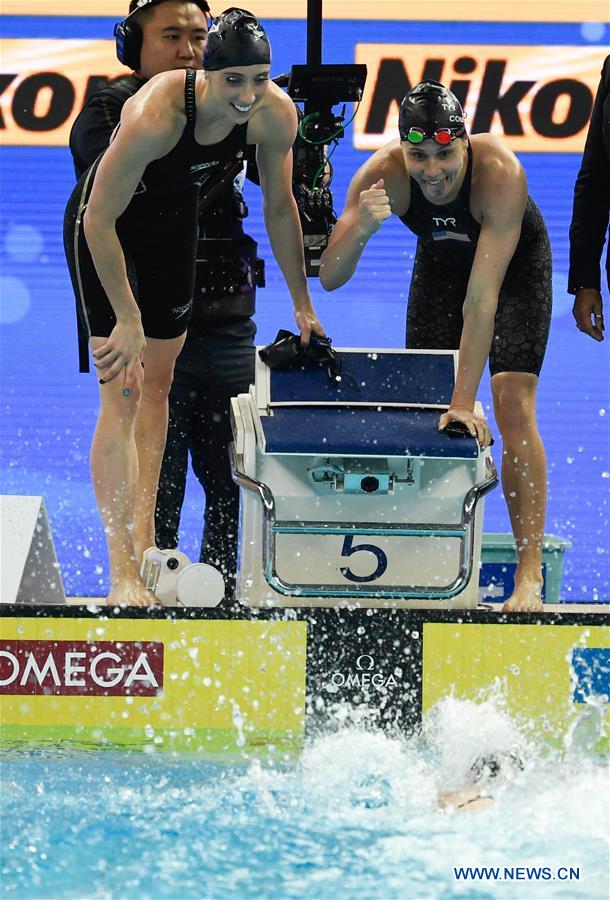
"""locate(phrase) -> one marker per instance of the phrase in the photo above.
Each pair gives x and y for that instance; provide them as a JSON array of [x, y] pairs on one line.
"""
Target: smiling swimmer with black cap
[[131, 247], [431, 119], [237, 43], [481, 284]]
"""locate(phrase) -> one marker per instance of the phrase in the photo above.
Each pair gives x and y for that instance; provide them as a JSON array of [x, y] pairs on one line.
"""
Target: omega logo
[[365, 677], [103, 668], [365, 661]]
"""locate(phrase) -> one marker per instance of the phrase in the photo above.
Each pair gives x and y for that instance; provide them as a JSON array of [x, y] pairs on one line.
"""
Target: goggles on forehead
[[417, 135]]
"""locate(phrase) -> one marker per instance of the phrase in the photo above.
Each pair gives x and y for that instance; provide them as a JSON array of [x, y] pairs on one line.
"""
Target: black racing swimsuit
[[158, 233], [447, 242]]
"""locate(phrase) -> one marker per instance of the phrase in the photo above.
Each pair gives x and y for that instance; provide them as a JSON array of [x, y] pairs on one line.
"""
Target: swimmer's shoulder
[[274, 121], [159, 103], [495, 168]]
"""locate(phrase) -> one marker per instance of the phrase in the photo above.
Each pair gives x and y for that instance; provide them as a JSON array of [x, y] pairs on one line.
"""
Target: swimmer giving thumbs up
[[373, 208]]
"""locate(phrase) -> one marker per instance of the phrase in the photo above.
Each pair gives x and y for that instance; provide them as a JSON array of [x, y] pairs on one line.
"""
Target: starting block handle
[[464, 531]]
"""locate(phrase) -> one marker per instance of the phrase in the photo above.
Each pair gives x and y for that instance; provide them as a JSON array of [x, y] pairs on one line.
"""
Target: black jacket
[[97, 120], [592, 196]]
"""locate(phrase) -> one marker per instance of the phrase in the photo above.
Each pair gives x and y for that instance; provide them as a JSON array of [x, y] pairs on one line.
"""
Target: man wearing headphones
[[221, 345], [157, 36]]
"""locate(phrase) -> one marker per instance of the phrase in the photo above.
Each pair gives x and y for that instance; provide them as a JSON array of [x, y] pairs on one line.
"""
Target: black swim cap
[[236, 38], [430, 110], [501, 764]]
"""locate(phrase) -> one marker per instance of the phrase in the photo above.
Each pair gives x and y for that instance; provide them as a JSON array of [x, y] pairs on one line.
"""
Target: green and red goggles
[[442, 136]]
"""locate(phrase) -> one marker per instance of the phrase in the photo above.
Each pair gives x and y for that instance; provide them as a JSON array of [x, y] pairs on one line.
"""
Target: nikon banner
[[45, 83], [538, 98]]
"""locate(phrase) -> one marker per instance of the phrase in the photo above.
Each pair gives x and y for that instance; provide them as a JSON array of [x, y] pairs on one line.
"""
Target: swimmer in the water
[[488, 772], [481, 283]]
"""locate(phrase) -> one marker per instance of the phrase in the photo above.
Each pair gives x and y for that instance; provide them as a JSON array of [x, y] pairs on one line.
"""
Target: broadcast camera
[[319, 88]]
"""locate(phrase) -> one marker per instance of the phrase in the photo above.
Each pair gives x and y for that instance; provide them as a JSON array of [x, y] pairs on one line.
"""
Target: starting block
[[350, 496]]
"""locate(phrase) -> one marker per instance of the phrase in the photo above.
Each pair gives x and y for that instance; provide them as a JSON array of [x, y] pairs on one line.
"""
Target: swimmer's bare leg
[[523, 482], [151, 433], [114, 470]]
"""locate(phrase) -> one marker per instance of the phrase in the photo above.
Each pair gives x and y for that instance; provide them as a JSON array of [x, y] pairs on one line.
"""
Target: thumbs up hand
[[374, 208]]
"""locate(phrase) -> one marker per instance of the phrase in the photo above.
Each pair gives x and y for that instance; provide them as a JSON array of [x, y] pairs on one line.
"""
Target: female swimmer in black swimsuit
[[481, 283]]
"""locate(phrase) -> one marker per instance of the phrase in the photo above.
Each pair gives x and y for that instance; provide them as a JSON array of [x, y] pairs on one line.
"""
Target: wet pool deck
[[567, 607]]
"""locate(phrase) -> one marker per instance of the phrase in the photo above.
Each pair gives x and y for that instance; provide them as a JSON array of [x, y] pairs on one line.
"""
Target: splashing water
[[356, 816]]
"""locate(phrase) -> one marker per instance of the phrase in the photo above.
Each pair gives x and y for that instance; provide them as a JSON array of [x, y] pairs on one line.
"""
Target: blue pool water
[[355, 816]]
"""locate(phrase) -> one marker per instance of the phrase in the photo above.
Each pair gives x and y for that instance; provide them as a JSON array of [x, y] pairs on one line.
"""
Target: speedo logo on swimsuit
[[204, 165], [178, 311]]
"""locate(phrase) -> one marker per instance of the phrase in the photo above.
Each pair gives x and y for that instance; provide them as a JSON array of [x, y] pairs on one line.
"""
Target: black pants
[[214, 365]]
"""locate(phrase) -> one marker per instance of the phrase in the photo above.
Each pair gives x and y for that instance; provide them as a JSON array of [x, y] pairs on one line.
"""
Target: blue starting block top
[[362, 431], [370, 378]]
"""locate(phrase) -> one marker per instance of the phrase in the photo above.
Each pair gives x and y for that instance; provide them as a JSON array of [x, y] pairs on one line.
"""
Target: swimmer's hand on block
[[457, 429], [176, 581], [475, 427]]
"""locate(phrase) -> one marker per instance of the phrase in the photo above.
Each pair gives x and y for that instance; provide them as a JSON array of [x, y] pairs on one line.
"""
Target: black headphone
[[128, 33]]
